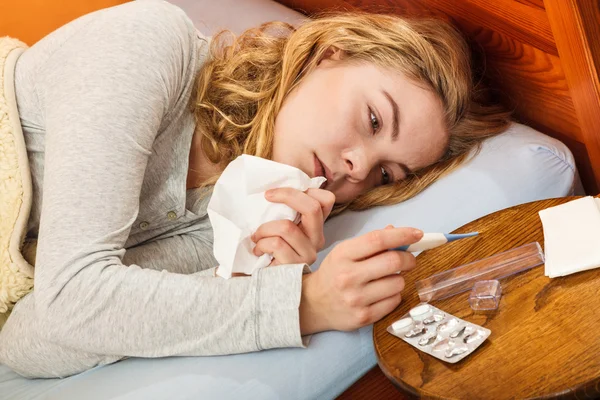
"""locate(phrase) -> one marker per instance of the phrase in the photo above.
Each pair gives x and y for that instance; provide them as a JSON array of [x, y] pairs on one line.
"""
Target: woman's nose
[[357, 165]]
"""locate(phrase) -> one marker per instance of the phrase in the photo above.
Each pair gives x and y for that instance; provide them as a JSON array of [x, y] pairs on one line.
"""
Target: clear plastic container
[[485, 295], [463, 278]]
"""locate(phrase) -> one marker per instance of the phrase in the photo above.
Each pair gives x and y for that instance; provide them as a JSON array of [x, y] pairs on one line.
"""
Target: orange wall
[[31, 20]]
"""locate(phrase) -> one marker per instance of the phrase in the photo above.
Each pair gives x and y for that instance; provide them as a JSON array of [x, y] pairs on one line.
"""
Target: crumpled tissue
[[572, 236], [238, 208]]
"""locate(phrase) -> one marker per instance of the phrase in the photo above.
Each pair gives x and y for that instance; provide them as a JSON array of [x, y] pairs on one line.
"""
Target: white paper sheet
[[572, 236], [238, 207]]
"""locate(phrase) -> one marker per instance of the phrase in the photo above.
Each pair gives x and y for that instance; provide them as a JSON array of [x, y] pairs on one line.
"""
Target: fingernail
[[253, 237], [389, 226], [417, 232]]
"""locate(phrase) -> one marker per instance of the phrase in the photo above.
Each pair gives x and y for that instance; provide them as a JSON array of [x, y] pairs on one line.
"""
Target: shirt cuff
[[278, 292]]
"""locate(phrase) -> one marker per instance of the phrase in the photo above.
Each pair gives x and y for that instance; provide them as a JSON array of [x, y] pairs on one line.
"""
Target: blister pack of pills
[[438, 333]]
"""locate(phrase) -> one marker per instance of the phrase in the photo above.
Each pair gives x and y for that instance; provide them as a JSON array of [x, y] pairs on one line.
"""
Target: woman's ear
[[332, 54]]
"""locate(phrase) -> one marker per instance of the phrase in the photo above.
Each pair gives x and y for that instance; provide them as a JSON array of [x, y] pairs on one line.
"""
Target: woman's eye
[[385, 176], [374, 121]]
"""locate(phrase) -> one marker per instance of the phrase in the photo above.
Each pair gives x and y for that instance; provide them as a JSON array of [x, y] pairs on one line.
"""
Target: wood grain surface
[[544, 335], [576, 27], [374, 385], [541, 58]]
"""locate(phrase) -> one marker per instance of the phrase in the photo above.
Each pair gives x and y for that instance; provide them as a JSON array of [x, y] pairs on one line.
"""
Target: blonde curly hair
[[242, 86]]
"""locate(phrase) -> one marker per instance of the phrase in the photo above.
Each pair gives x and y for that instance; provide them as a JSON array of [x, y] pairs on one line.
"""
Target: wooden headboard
[[541, 56]]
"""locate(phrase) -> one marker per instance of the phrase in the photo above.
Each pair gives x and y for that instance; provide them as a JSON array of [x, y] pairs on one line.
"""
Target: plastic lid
[[420, 312]]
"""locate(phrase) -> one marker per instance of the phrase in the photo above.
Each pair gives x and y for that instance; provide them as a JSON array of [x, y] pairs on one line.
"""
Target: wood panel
[[533, 3], [531, 81], [576, 24], [554, 91], [523, 22]]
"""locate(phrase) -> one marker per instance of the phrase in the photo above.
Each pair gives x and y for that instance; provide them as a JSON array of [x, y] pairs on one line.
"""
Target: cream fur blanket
[[16, 274]]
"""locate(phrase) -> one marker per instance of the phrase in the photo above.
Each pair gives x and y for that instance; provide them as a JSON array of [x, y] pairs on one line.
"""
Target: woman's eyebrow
[[405, 169], [396, 116]]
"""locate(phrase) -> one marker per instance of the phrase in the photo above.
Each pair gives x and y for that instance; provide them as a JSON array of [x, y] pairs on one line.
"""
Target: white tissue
[[572, 236], [238, 207]]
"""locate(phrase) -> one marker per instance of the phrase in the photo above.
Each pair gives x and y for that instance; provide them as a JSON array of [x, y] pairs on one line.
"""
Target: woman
[[379, 105]]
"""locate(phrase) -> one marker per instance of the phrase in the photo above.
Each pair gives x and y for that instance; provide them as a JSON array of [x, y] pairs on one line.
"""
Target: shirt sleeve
[[105, 93]]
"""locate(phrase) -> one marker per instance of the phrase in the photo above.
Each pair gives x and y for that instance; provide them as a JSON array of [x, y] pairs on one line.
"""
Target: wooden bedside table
[[545, 339]]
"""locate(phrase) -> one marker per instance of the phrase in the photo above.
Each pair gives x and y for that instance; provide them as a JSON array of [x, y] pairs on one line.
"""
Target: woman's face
[[358, 125]]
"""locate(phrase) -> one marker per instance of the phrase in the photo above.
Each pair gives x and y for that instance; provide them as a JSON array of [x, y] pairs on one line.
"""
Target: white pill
[[401, 324], [420, 312]]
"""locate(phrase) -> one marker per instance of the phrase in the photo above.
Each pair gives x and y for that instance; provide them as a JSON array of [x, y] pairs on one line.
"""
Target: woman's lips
[[322, 170]]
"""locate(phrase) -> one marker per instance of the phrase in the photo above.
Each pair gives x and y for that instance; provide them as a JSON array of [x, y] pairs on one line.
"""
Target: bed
[[557, 96]]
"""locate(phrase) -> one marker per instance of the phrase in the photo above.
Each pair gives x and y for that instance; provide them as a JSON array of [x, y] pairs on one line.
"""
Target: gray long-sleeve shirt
[[124, 261]]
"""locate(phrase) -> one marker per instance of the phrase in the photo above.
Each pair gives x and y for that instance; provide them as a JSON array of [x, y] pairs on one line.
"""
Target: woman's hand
[[290, 243], [358, 282]]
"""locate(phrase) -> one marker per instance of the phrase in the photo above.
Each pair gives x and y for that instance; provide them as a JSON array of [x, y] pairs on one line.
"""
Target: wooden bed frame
[[541, 56]]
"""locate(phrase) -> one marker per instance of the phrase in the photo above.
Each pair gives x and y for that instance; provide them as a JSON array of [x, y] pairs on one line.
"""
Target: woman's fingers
[[374, 242], [287, 230], [325, 198], [281, 251], [382, 288], [378, 310], [385, 264], [290, 233], [357, 283], [313, 208]]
